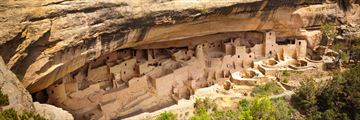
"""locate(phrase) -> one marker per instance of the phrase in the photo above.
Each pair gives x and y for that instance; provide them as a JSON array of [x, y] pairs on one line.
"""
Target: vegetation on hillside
[[4, 100], [336, 99], [339, 98], [259, 108], [329, 33], [355, 49], [11, 114], [270, 88], [166, 116]]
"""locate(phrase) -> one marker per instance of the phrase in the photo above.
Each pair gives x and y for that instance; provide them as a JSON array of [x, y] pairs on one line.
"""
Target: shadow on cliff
[[33, 52]]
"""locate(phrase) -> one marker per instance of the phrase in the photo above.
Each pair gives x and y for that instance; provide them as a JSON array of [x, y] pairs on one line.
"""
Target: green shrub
[[201, 114], [4, 99], [31, 116], [11, 114], [329, 114], [166, 116], [344, 56], [262, 107], [267, 89], [285, 80], [225, 115], [205, 104], [337, 99], [243, 105], [245, 115], [282, 109], [329, 33], [286, 73], [341, 94], [305, 97]]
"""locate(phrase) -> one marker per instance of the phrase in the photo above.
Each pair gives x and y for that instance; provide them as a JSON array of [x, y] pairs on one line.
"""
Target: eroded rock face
[[50, 112], [45, 41], [19, 98]]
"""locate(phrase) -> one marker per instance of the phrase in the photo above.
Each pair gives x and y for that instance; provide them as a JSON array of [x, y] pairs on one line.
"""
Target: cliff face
[[42, 41], [19, 98]]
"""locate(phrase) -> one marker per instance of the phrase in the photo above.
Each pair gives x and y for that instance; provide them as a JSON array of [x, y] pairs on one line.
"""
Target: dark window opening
[[249, 56], [41, 96], [285, 41], [270, 52], [299, 43], [238, 56], [134, 53]]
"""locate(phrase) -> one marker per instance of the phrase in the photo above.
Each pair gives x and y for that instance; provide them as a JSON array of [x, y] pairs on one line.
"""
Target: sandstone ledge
[[42, 41]]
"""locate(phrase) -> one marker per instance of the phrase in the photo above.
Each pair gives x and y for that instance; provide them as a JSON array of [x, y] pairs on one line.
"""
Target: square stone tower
[[270, 44]]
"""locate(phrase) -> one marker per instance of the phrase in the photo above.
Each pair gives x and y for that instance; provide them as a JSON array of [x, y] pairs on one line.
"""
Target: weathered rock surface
[[19, 97], [42, 41], [51, 112]]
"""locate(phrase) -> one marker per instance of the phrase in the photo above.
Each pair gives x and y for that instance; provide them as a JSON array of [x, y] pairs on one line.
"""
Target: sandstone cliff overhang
[[42, 41]]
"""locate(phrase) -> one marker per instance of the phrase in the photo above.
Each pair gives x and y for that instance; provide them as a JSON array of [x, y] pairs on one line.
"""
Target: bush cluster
[[337, 99], [11, 114], [4, 100], [166, 116], [270, 88], [259, 108]]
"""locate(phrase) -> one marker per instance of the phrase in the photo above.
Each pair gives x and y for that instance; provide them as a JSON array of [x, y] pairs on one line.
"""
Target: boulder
[[19, 97], [51, 112]]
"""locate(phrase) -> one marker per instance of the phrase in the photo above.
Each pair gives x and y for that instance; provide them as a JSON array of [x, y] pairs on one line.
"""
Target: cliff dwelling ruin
[[147, 78], [121, 59]]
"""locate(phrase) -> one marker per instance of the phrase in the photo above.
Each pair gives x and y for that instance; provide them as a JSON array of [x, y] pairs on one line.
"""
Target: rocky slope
[[51, 112], [19, 98]]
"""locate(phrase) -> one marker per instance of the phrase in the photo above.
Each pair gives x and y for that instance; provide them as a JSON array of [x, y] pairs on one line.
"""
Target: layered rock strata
[[45, 42]]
